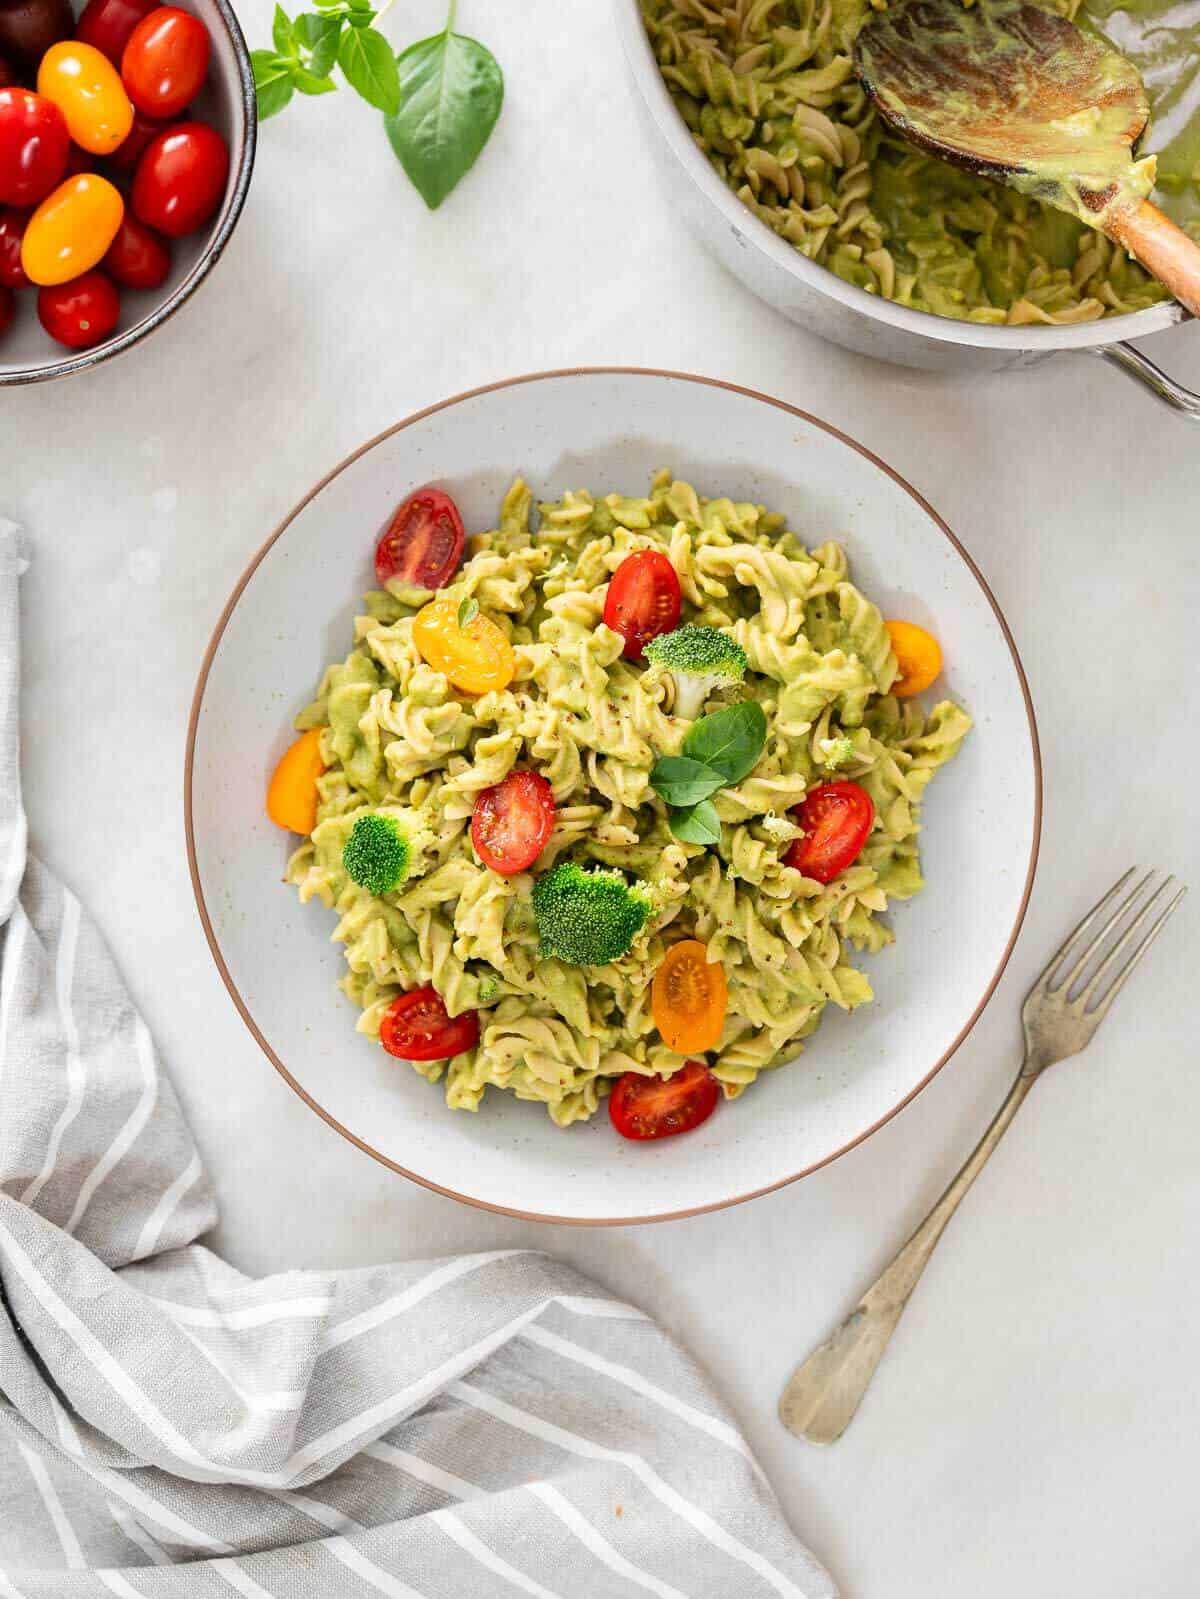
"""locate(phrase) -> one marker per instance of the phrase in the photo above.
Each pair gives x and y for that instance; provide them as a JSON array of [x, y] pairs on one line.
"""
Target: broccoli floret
[[377, 853], [700, 659], [588, 917]]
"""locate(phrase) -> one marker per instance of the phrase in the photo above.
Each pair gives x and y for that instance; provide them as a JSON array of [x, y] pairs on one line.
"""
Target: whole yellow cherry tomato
[[87, 89], [71, 229], [477, 658], [292, 793], [918, 655]]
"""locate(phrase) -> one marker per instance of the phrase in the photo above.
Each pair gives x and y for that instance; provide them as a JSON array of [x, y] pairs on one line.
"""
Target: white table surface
[[1034, 1429]]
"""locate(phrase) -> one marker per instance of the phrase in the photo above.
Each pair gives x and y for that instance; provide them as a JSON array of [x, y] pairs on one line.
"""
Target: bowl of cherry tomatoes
[[127, 137]]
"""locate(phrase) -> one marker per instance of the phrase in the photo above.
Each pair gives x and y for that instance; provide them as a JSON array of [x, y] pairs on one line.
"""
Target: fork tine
[[1122, 976], [1086, 994], [1122, 910], [1061, 954]]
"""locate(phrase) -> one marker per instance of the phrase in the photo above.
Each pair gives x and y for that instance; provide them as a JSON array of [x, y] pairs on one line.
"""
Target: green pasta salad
[[768, 90], [606, 799]]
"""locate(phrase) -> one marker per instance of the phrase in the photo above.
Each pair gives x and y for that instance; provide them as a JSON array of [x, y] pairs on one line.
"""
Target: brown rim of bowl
[[189, 757], [226, 221]]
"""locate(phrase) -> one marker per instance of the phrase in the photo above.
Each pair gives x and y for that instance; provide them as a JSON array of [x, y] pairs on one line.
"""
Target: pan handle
[[1132, 362]]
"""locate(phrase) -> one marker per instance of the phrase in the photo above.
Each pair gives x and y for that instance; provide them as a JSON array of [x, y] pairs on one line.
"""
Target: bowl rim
[[189, 774], [749, 230], [231, 210]]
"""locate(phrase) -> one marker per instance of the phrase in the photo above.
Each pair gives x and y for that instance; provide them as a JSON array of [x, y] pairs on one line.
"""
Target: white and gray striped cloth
[[486, 1425]]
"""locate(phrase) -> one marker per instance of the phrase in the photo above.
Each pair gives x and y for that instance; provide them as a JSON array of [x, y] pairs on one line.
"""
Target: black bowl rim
[[231, 210]]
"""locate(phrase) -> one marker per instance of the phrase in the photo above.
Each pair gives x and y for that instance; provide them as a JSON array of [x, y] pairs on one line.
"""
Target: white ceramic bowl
[[609, 430], [27, 352]]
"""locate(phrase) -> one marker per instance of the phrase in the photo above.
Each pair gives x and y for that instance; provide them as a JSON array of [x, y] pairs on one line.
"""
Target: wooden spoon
[[1025, 97]]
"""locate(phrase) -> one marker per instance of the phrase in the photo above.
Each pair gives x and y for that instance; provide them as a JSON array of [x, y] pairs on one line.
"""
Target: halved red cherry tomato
[[181, 178], [12, 231], [81, 313], [423, 543], [137, 257], [87, 90], [643, 600], [659, 1107], [512, 822], [836, 819], [8, 309], [416, 1026], [107, 24], [165, 61], [140, 136], [33, 147]]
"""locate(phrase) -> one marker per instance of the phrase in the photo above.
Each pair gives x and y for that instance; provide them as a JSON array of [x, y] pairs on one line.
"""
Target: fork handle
[[824, 1392]]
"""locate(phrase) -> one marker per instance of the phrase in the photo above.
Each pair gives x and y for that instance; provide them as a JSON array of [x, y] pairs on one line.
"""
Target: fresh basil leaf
[[467, 612], [283, 34], [272, 82], [452, 90], [730, 740], [370, 67], [310, 83], [360, 19], [319, 36], [698, 824], [681, 781]]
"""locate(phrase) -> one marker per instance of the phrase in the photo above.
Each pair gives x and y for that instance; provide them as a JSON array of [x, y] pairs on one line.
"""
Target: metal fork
[[824, 1392]]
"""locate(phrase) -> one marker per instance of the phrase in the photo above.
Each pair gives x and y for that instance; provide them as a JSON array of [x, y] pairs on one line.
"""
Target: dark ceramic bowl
[[28, 354]]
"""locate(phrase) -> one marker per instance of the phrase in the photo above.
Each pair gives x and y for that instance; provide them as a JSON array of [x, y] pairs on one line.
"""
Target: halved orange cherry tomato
[[477, 658], [292, 794], [643, 600], [512, 822], [836, 818], [659, 1107], [919, 656], [688, 998], [71, 230], [417, 1026], [87, 89], [423, 543]]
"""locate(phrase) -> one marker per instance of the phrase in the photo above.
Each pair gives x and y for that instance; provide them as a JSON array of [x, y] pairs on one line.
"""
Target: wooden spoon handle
[[1161, 247]]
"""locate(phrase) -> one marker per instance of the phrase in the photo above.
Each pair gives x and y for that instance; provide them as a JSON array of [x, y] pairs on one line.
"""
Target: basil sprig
[[719, 750], [440, 97]]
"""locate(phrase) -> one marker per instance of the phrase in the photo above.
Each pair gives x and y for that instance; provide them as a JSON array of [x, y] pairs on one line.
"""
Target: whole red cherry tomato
[[659, 1107], [29, 27], [512, 822], [181, 178], [34, 143], [423, 543], [165, 62], [643, 600], [137, 257], [417, 1026], [80, 313], [12, 231], [143, 133], [8, 309], [107, 24], [836, 818]]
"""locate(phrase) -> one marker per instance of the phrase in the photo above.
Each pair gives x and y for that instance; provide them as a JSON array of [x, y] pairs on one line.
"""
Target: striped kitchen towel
[[170, 1429]]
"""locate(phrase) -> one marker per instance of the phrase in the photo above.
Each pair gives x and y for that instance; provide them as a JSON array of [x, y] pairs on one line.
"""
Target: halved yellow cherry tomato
[[87, 89], [292, 794], [71, 230], [477, 658], [689, 998], [919, 656]]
